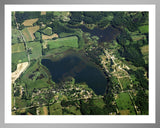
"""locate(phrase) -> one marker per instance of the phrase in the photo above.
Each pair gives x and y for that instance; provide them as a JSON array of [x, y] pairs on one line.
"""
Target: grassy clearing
[[124, 104], [30, 22], [20, 103], [64, 42], [43, 13], [124, 112], [144, 29], [145, 52], [55, 109], [62, 15], [46, 37], [43, 110], [16, 36], [35, 49], [32, 30], [29, 33], [19, 57], [18, 47], [72, 110], [47, 31], [138, 37], [35, 70], [125, 82], [99, 103]]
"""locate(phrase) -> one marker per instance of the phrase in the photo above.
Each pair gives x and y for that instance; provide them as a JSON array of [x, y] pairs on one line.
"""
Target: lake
[[105, 35], [82, 71]]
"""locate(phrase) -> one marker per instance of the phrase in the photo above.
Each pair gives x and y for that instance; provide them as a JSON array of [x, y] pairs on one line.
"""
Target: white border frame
[[80, 119]]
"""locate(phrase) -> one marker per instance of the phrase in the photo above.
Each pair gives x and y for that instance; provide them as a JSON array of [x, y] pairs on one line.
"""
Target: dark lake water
[[108, 34], [73, 66]]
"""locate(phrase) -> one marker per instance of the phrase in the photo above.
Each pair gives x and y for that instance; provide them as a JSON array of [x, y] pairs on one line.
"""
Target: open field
[[30, 22], [46, 37], [144, 29], [61, 13], [29, 33], [55, 109], [44, 110], [47, 31], [16, 36], [35, 49], [20, 68], [125, 82], [63, 42], [124, 104], [43, 12], [138, 37], [145, 49], [72, 110], [18, 47], [32, 77], [19, 57], [145, 52]]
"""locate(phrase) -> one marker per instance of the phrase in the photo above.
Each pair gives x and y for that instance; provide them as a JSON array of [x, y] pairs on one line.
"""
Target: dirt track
[[20, 68]]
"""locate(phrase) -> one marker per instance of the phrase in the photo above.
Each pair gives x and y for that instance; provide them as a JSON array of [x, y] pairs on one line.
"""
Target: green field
[[16, 36], [125, 82], [43, 110], [35, 70], [21, 103], [124, 104], [145, 52], [36, 50], [47, 31], [72, 110], [55, 109], [144, 29], [26, 35], [19, 57], [63, 42], [18, 47]]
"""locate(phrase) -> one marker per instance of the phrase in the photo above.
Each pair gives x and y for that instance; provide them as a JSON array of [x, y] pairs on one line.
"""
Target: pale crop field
[[29, 33], [46, 37], [30, 22], [43, 13], [18, 47]]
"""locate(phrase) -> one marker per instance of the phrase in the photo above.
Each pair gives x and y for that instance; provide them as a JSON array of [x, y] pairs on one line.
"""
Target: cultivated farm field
[[145, 52], [28, 33], [32, 76], [18, 47], [43, 12], [144, 29], [16, 36], [36, 50], [63, 42], [124, 104], [19, 57], [30, 22], [46, 37]]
